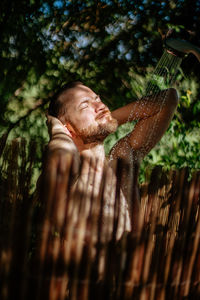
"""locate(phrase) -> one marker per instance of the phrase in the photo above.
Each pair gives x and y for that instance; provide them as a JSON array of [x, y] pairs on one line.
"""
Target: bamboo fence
[[51, 246]]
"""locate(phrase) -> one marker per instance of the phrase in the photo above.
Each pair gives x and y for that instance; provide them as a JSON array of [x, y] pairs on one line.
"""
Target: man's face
[[90, 118]]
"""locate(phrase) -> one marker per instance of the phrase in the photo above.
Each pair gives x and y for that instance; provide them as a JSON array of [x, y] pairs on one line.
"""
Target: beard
[[97, 133]]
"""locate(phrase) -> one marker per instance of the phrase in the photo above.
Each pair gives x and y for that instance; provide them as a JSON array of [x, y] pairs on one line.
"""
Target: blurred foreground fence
[[51, 247]]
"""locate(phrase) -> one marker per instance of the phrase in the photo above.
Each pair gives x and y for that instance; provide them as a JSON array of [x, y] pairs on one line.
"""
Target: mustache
[[101, 114]]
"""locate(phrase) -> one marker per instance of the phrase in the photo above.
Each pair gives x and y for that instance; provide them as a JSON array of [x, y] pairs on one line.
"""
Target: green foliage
[[121, 132], [179, 148]]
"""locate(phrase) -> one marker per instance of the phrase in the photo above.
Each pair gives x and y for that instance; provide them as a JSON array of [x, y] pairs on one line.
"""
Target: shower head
[[174, 42], [170, 46]]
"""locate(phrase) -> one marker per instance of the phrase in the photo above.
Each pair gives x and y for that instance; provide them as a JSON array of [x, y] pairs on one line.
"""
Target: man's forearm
[[143, 108], [149, 129]]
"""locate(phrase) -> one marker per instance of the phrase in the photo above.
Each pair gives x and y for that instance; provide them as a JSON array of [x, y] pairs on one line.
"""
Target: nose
[[99, 106]]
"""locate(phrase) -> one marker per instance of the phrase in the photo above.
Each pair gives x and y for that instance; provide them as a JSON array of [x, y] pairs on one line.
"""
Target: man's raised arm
[[154, 114]]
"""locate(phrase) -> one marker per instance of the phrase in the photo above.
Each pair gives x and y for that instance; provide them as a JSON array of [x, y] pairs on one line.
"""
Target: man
[[84, 121]]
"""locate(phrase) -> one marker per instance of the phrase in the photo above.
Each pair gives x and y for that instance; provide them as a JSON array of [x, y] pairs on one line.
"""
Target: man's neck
[[95, 149]]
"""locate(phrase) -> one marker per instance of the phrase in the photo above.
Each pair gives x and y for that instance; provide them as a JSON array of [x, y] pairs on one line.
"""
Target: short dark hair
[[56, 105]]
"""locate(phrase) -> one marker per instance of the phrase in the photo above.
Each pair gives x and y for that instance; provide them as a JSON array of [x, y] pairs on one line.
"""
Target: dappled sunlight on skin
[[59, 135], [154, 116], [98, 133], [61, 142], [86, 115], [95, 163], [90, 121]]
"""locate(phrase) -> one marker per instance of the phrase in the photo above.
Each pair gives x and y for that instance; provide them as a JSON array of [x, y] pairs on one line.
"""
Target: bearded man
[[79, 122]]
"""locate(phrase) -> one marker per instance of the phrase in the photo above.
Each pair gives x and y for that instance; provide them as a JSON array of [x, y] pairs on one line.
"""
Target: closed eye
[[87, 101], [84, 106]]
